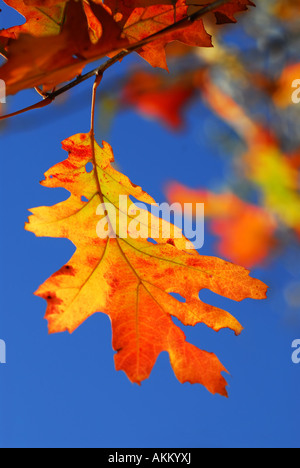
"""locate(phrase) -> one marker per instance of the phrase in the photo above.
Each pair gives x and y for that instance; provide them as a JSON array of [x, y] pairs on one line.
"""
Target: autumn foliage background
[[223, 132]]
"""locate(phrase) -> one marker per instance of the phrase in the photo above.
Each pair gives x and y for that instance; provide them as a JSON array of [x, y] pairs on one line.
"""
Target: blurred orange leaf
[[246, 231], [264, 162]]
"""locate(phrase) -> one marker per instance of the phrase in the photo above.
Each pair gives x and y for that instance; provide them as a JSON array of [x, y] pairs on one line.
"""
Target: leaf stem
[[97, 82]]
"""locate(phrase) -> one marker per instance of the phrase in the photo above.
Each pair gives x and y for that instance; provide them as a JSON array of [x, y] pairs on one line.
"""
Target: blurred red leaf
[[154, 97]]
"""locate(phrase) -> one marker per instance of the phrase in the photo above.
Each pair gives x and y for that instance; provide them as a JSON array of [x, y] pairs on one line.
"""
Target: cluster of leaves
[[130, 279], [60, 38]]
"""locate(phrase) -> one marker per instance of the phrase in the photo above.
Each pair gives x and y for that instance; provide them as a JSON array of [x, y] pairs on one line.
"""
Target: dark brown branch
[[39, 105]]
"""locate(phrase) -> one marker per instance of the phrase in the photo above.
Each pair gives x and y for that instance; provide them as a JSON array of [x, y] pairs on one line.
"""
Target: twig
[[39, 105], [95, 87]]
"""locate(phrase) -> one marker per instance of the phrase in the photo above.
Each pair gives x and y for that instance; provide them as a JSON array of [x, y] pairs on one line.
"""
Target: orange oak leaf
[[50, 60], [155, 98], [143, 22], [128, 277], [246, 231], [140, 19]]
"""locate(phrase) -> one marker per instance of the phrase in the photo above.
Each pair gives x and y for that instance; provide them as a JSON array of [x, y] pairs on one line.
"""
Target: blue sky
[[62, 390]]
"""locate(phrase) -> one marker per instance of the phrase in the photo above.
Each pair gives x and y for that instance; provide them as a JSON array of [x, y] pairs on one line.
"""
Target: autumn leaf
[[232, 219], [150, 18], [130, 278], [143, 22], [51, 60]]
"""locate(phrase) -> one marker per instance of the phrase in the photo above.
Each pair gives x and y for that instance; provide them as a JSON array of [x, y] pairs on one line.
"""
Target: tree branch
[[49, 97]]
